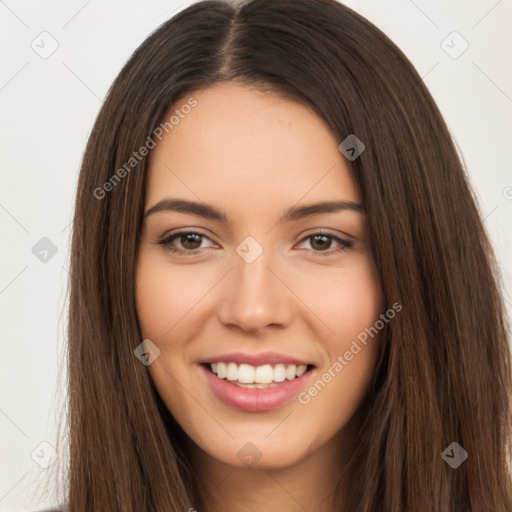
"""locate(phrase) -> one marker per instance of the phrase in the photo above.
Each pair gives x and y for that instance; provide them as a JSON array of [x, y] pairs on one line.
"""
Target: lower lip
[[252, 399]]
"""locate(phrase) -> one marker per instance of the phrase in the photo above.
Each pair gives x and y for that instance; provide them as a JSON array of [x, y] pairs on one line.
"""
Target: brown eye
[[183, 242], [190, 240], [321, 244]]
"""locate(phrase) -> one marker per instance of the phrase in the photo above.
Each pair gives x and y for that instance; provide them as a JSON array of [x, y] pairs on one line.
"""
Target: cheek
[[349, 304], [352, 305], [155, 301], [164, 296]]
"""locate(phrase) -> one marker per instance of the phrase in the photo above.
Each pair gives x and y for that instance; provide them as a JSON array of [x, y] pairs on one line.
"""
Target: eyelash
[[165, 242]]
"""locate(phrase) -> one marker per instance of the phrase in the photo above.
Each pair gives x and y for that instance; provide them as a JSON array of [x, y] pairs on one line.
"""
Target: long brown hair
[[445, 371]]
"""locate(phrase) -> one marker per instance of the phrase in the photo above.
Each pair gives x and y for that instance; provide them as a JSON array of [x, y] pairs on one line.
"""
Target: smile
[[260, 377], [252, 388]]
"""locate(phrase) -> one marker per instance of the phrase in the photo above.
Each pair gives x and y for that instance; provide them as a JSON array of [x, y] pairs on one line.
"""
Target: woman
[[282, 294]]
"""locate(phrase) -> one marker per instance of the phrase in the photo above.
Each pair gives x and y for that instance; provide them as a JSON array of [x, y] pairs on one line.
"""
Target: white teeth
[[301, 370], [232, 371], [259, 377], [290, 372], [279, 373], [256, 386], [221, 370], [245, 373], [264, 374]]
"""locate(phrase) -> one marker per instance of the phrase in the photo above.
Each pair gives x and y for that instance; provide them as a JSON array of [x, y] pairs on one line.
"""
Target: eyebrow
[[292, 214]]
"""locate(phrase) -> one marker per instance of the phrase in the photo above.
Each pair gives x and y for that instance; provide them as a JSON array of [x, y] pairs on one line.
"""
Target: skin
[[253, 156]]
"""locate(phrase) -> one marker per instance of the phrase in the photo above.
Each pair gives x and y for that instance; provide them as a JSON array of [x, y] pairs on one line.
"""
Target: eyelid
[[167, 238], [328, 232], [343, 244], [166, 242]]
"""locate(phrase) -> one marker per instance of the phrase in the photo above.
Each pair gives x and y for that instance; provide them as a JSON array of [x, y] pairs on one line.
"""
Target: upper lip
[[256, 359]]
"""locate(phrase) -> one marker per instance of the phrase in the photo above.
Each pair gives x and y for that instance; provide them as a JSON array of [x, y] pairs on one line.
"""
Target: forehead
[[239, 141]]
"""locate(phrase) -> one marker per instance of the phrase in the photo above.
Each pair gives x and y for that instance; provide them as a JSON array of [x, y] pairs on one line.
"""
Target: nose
[[254, 295]]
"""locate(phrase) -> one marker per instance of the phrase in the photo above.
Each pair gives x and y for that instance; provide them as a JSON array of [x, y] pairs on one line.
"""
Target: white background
[[47, 107]]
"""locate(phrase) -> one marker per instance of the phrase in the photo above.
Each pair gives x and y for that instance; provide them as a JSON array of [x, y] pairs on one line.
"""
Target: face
[[240, 274]]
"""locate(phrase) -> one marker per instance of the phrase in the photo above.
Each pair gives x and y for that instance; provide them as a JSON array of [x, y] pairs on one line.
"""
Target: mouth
[[257, 377], [252, 388]]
